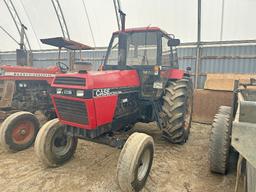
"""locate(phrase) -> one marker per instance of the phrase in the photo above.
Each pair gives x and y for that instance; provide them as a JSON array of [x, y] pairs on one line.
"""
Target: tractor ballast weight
[[139, 82]]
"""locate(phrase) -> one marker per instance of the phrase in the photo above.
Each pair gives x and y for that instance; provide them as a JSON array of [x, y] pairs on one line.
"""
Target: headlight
[[2, 72], [20, 85], [58, 90], [80, 93]]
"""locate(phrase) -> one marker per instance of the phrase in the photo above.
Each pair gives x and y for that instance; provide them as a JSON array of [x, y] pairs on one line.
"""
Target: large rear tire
[[18, 131], [52, 146], [177, 109], [135, 162], [219, 148]]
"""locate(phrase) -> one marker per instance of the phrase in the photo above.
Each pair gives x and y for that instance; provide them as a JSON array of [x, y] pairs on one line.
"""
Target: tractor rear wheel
[[52, 146], [219, 149], [177, 110], [18, 131], [135, 162]]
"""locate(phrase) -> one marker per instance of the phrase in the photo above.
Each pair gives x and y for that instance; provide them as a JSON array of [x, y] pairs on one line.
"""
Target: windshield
[[141, 49]]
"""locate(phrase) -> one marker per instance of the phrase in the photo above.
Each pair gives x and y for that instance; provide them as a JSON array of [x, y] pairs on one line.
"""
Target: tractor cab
[[151, 51]]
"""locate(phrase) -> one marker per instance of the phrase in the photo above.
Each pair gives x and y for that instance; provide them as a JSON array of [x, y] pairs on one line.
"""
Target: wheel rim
[[61, 143], [23, 132], [143, 165], [188, 114]]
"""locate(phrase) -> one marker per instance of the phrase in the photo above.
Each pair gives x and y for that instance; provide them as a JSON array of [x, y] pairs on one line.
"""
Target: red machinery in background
[[25, 101]]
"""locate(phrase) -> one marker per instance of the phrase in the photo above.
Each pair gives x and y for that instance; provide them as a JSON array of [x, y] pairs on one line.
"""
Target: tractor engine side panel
[[127, 104], [105, 108], [118, 110]]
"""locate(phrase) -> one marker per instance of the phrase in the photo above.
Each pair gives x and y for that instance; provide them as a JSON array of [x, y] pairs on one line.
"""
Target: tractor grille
[[72, 111], [70, 81]]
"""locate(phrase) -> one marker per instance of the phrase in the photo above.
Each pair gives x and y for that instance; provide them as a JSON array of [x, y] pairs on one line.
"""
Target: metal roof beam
[[61, 18], [17, 21]]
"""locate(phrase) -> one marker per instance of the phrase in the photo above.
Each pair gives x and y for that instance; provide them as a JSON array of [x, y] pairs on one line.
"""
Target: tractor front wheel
[[52, 146], [18, 131], [177, 110], [135, 162]]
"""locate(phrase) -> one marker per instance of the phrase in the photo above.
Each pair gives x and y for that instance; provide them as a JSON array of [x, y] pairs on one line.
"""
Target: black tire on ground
[[52, 146], [135, 162], [219, 148], [177, 109], [18, 131], [225, 110]]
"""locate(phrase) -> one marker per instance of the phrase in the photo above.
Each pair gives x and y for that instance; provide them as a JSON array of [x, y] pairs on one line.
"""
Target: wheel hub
[[61, 143], [23, 132], [143, 165]]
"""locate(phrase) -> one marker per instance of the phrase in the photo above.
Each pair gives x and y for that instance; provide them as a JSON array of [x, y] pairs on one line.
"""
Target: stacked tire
[[220, 141]]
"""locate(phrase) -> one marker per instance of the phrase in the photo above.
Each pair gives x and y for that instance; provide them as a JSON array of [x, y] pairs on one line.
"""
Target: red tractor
[[25, 100], [138, 82], [24, 91]]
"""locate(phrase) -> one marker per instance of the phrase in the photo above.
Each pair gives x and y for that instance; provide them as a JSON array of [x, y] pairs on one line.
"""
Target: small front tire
[[18, 131], [52, 146], [135, 162]]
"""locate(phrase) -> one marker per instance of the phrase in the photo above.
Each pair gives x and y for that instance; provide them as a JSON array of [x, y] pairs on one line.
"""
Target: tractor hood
[[24, 69], [8, 72], [97, 80]]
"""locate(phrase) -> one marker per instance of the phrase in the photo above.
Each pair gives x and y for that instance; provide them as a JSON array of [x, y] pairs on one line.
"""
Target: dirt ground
[[176, 168]]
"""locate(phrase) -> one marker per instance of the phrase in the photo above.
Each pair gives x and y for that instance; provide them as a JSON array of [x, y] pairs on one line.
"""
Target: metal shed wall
[[235, 57]]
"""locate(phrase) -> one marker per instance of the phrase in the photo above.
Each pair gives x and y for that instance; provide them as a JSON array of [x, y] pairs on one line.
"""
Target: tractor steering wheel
[[62, 66]]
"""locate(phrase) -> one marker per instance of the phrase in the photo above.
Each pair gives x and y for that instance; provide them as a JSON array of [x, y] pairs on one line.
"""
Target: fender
[[173, 74]]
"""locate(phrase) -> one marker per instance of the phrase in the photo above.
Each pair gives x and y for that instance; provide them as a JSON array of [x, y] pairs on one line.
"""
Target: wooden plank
[[225, 81], [207, 102]]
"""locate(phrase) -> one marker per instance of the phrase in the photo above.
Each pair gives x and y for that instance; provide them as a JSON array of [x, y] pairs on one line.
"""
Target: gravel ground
[[176, 168]]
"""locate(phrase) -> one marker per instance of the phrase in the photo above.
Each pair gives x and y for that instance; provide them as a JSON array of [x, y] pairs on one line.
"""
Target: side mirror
[[173, 42], [122, 49], [188, 68]]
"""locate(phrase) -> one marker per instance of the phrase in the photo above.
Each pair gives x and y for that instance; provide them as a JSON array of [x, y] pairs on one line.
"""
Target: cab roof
[[142, 29]]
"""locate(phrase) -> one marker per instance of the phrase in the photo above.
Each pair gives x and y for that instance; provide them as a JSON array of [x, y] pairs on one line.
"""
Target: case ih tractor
[[25, 91], [139, 82]]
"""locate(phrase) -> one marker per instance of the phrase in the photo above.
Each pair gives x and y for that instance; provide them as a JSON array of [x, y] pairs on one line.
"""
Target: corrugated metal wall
[[213, 58], [219, 59]]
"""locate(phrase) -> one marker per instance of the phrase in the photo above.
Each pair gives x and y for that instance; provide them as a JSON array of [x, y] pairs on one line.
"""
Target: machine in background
[[235, 127]]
